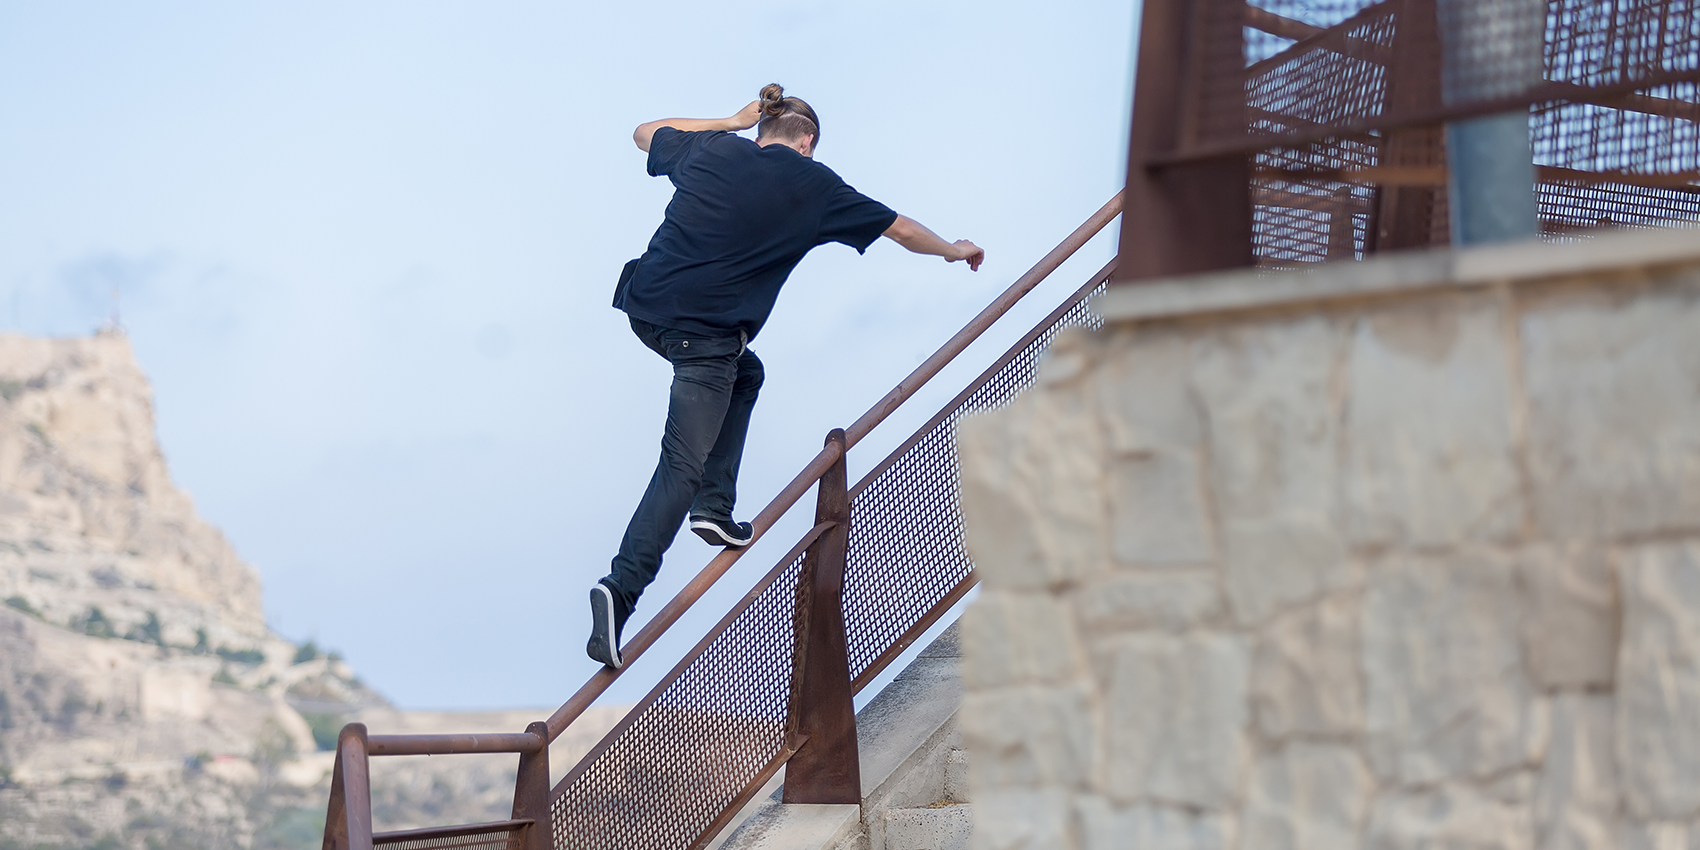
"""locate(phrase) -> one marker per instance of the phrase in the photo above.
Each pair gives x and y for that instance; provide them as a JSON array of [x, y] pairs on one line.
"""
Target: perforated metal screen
[[679, 761], [1301, 213], [1352, 82], [906, 551], [1624, 160]]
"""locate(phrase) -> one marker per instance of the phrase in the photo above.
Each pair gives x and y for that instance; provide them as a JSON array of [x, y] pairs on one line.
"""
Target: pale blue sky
[[365, 252]]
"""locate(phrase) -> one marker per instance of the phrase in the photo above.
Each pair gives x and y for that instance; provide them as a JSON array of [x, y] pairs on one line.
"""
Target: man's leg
[[704, 375], [720, 473]]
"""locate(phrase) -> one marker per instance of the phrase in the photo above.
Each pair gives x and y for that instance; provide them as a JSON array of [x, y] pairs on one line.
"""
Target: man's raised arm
[[743, 120], [915, 236]]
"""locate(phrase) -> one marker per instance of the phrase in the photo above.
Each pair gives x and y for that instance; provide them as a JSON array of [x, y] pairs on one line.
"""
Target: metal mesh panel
[[1601, 42], [906, 552], [1569, 211], [494, 840], [1360, 85], [1629, 160], [1299, 19], [1302, 210], [1336, 75], [690, 753], [1596, 138]]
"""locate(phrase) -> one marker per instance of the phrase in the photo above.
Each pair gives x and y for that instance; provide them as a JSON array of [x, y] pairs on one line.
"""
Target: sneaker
[[723, 532], [604, 643]]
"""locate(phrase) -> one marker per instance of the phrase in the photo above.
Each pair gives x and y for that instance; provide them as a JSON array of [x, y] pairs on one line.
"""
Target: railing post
[[531, 792], [348, 820], [336, 817], [826, 769]]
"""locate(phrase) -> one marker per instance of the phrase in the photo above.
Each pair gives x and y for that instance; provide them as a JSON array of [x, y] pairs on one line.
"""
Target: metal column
[[1491, 50], [1195, 216]]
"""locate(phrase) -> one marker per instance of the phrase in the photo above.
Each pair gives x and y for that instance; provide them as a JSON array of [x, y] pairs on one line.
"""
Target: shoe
[[604, 643], [723, 532]]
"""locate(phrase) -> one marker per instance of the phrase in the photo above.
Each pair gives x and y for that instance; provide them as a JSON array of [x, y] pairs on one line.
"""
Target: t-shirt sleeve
[[854, 219], [669, 148]]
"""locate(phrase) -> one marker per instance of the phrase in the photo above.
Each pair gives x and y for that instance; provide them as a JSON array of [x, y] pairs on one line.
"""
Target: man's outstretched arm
[[915, 236], [743, 120]]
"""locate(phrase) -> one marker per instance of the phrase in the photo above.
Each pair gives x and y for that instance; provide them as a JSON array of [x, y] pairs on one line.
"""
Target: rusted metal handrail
[[448, 745], [348, 823], [699, 585]]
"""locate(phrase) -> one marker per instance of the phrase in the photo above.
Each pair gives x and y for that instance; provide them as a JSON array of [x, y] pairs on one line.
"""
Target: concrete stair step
[[944, 826]]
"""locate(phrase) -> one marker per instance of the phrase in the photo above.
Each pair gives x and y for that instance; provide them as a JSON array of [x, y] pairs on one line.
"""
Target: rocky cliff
[[143, 701], [89, 517]]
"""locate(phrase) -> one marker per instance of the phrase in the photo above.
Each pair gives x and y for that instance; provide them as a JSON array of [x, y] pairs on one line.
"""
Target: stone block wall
[[1414, 565]]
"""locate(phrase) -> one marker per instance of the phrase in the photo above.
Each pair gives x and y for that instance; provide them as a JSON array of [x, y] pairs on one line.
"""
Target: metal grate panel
[[1569, 211], [906, 552], [688, 754], [720, 724], [1649, 140], [1362, 88]]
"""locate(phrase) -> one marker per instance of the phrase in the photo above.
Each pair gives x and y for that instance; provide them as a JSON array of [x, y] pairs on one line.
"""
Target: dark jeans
[[715, 382]]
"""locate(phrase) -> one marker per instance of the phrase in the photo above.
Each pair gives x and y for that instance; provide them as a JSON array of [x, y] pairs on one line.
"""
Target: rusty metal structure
[[1281, 133], [1272, 134]]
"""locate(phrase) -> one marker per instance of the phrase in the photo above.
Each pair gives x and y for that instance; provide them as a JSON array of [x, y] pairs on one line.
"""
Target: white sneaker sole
[[602, 616], [714, 535]]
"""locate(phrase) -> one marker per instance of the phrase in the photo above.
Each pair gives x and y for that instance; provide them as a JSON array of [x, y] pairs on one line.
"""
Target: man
[[743, 215]]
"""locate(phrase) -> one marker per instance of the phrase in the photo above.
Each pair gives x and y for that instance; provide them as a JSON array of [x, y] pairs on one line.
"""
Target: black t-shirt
[[741, 218]]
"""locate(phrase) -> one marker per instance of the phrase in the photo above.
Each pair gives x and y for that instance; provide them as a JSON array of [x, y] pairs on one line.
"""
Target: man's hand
[[745, 118], [965, 250], [915, 236]]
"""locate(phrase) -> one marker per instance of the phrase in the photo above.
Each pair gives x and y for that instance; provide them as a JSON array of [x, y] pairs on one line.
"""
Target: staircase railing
[[772, 682]]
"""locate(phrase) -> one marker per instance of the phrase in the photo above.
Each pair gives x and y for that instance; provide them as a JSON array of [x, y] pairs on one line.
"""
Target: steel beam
[[1193, 216]]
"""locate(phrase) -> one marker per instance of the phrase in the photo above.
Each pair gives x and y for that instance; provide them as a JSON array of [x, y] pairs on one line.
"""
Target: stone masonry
[[1401, 554]]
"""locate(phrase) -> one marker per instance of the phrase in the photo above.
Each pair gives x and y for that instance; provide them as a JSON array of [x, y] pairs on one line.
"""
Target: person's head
[[787, 121]]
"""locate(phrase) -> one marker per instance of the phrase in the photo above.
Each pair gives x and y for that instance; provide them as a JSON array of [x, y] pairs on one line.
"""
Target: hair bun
[[773, 99]]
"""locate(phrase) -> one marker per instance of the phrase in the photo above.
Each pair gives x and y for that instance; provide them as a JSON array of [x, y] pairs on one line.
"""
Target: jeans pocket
[[681, 346]]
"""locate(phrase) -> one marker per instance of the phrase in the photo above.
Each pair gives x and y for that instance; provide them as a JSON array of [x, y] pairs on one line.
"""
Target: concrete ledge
[[1400, 273], [893, 733], [796, 826]]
